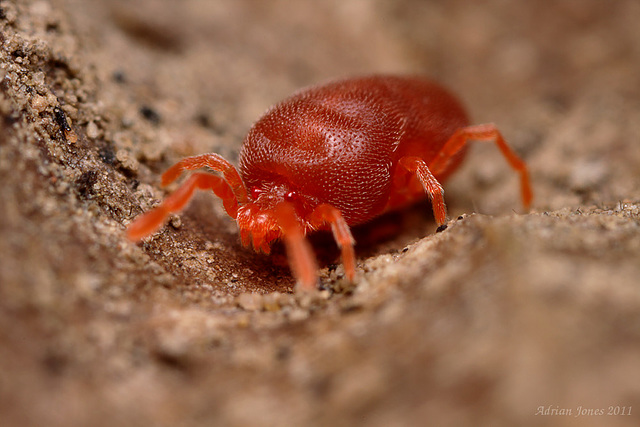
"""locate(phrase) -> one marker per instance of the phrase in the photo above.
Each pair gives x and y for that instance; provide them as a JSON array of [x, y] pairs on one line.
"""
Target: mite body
[[333, 156]]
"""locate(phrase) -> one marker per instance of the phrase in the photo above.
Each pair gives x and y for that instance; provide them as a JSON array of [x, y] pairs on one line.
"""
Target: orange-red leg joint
[[341, 233], [212, 161], [301, 257], [431, 186], [152, 221]]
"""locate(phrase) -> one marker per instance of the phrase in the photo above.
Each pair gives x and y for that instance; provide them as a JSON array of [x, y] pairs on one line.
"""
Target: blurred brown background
[[498, 320]]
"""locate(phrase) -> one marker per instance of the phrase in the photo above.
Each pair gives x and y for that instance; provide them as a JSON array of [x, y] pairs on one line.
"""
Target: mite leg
[[327, 214], [151, 221], [431, 186], [302, 260], [489, 133], [213, 161]]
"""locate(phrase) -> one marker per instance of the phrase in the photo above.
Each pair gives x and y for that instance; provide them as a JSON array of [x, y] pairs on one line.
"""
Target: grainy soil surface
[[505, 318]]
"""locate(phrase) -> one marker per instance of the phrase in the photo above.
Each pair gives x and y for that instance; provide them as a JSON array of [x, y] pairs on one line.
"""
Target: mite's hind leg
[[151, 221], [488, 133], [341, 233], [430, 184]]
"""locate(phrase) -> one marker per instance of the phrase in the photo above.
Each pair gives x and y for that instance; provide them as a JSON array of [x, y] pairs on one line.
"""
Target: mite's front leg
[[301, 257], [151, 221], [341, 233]]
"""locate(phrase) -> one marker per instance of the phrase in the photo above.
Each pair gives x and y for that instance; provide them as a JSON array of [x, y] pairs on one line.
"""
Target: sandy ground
[[505, 318]]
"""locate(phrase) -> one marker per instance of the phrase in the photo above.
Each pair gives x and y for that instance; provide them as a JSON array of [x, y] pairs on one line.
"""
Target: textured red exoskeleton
[[334, 156]]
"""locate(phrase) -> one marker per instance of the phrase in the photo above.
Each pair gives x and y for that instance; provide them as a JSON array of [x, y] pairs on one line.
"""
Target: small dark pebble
[[150, 114], [119, 76], [203, 120], [283, 353], [61, 119]]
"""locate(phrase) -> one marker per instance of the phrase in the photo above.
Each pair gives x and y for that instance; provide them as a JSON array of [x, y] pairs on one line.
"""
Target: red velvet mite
[[333, 156]]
